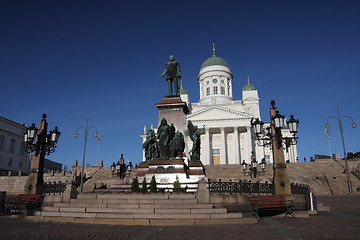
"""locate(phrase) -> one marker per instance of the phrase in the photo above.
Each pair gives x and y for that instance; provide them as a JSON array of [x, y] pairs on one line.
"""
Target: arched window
[[12, 146], [2, 141]]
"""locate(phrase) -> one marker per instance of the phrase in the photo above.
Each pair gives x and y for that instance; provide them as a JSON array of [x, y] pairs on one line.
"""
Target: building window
[[10, 162], [20, 165], [207, 91], [207, 82], [216, 152], [12, 146], [22, 149], [223, 90], [222, 81], [2, 141], [215, 90]]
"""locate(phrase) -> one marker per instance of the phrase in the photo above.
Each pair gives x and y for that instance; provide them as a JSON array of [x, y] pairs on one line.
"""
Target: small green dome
[[214, 60], [183, 91], [249, 87]]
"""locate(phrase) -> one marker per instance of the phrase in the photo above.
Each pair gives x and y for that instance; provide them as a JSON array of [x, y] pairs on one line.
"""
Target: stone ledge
[[172, 222], [225, 221], [142, 222]]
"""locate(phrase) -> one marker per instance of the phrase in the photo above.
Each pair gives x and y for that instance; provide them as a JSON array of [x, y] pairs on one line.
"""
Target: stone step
[[190, 210], [136, 196], [167, 201], [78, 204], [146, 222], [140, 215], [167, 205], [86, 200], [176, 205], [137, 210]]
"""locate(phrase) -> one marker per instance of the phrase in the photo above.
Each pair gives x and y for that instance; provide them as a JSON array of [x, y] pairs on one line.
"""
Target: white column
[[207, 147], [249, 144], [223, 153], [237, 146]]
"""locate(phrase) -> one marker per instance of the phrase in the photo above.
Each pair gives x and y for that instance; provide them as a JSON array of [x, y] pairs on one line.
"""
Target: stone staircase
[[104, 175], [324, 178], [139, 209]]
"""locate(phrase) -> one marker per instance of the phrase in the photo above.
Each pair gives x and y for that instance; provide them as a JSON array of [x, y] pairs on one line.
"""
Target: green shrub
[[144, 186], [135, 185], [153, 185], [177, 185]]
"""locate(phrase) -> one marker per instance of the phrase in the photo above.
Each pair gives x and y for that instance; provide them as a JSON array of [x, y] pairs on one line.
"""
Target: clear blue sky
[[102, 60]]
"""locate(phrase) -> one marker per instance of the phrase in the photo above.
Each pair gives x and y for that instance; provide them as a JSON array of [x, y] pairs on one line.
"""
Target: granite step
[[120, 215], [146, 222]]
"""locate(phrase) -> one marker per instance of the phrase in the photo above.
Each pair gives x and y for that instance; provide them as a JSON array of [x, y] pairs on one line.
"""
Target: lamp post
[[98, 139], [76, 135], [274, 134], [353, 125], [327, 132], [45, 144], [253, 172]]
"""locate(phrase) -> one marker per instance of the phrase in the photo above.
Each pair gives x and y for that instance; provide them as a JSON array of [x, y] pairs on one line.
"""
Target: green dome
[[249, 87], [183, 91], [214, 60]]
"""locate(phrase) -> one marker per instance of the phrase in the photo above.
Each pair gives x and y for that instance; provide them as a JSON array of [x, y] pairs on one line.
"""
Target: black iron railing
[[242, 187], [300, 189], [248, 187], [54, 188]]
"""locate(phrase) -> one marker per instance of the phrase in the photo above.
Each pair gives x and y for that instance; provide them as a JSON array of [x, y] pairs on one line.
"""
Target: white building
[[228, 137], [13, 156]]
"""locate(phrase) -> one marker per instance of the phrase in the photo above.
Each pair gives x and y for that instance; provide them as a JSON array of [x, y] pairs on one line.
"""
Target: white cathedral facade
[[228, 136]]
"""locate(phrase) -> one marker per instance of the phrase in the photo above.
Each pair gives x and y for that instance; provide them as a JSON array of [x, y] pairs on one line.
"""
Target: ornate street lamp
[[253, 168], [277, 122], [113, 168], [76, 135], [45, 145], [263, 165], [327, 129], [273, 136]]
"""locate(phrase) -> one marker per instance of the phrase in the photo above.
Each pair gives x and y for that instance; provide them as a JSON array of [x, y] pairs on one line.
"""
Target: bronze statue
[[195, 135], [149, 145], [163, 139], [167, 144], [173, 74], [177, 145]]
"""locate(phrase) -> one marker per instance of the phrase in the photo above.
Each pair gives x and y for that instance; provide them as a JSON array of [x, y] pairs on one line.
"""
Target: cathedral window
[[207, 91], [215, 90], [12, 146], [223, 90], [2, 141]]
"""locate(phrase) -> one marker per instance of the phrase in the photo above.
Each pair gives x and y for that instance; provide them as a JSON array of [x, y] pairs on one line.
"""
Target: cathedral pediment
[[218, 113]]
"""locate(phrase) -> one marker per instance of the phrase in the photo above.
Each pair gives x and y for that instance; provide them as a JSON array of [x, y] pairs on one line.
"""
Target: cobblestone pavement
[[342, 222]]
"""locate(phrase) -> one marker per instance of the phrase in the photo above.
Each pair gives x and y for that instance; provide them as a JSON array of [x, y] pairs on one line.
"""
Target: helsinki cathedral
[[226, 122]]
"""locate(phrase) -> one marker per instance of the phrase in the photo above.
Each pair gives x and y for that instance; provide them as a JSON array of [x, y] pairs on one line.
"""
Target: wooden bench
[[31, 201], [261, 205]]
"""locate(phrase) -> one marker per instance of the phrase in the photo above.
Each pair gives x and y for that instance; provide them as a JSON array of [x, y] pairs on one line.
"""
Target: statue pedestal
[[166, 172], [174, 110]]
